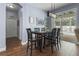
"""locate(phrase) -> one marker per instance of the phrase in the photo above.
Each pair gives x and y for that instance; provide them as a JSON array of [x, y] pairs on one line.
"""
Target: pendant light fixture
[[52, 14]]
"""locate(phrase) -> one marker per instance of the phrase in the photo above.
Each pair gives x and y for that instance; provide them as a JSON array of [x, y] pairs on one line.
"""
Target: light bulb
[[52, 15], [10, 5]]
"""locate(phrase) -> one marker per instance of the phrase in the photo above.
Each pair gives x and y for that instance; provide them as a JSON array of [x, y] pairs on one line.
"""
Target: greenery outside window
[[66, 21]]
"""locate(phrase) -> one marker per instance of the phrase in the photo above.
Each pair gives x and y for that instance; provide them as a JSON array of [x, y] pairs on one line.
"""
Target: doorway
[[12, 25]]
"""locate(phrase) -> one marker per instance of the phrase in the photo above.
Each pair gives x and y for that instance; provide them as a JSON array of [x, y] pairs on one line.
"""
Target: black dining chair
[[37, 29], [31, 40], [51, 37], [58, 37], [42, 29]]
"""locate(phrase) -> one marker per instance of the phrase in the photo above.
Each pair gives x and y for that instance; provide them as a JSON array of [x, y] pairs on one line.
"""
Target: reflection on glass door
[[66, 22]]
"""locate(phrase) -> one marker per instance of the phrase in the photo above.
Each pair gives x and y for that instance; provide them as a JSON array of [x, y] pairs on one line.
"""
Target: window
[[66, 21], [57, 23]]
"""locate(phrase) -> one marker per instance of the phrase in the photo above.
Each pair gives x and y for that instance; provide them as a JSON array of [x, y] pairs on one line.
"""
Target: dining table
[[40, 37]]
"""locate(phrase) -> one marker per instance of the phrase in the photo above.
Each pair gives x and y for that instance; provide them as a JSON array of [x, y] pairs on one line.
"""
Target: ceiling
[[13, 6], [47, 6], [43, 6]]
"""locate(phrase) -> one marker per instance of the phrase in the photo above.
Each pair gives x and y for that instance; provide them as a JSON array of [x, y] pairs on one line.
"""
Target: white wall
[[28, 11], [11, 23], [2, 26]]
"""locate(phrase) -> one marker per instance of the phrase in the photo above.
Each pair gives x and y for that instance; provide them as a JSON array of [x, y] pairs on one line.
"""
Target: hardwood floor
[[71, 38], [12, 42], [16, 49]]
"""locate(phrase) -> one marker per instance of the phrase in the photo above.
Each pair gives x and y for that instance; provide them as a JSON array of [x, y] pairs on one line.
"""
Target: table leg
[[39, 43], [44, 42]]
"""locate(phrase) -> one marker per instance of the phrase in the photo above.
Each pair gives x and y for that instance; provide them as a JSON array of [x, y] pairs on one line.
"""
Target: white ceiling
[[13, 6], [47, 6], [44, 6]]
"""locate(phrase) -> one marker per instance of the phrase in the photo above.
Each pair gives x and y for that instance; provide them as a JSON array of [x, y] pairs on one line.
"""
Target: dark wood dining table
[[40, 36]]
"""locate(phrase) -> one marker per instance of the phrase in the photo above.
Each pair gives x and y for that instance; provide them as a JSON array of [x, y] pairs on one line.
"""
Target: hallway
[[12, 43]]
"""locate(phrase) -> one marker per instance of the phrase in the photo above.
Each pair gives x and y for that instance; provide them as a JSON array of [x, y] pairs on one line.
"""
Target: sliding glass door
[[66, 21]]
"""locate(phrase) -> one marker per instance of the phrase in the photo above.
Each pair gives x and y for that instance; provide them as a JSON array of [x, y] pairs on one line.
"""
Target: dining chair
[[31, 40], [37, 29], [58, 37], [51, 38], [42, 29]]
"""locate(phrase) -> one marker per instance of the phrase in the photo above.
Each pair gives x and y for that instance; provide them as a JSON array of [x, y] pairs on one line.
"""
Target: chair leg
[[27, 46], [31, 49], [44, 43], [40, 45], [51, 47], [59, 42], [35, 44], [57, 46]]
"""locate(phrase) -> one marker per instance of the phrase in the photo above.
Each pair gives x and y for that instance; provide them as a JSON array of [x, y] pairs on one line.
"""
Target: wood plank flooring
[[70, 37], [16, 49], [12, 42]]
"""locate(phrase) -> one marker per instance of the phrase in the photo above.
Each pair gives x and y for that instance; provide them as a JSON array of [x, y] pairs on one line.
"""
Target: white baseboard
[[2, 49], [23, 43]]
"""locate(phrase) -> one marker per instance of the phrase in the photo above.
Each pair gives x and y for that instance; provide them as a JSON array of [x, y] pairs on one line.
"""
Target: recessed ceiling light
[[10, 5]]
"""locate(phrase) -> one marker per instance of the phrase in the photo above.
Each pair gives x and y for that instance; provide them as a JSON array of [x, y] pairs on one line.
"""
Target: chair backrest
[[53, 33], [37, 29], [58, 31], [29, 33], [42, 29]]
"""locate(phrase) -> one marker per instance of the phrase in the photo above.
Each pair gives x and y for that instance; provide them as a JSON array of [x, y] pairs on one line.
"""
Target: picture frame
[[31, 20], [39, 22]]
